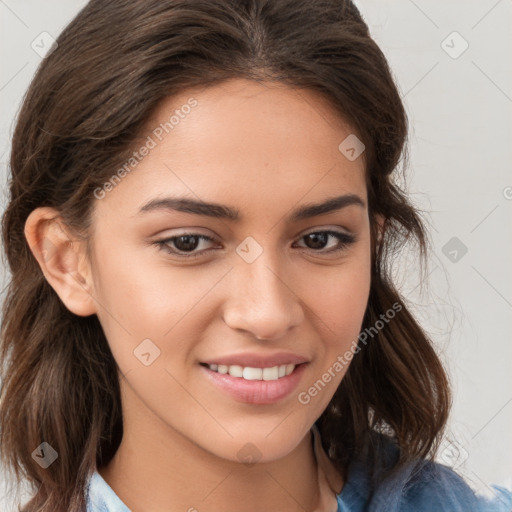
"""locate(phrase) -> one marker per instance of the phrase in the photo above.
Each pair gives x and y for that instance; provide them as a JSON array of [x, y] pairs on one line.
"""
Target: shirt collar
[[330, 481]]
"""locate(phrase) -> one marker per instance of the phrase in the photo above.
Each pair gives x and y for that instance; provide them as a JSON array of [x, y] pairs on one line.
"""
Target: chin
[[258, 445]]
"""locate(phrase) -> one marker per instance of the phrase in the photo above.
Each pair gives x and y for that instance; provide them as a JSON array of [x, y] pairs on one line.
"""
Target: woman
[[201, 316]]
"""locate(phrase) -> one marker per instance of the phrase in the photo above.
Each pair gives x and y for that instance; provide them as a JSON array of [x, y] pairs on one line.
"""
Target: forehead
[[241, 142]]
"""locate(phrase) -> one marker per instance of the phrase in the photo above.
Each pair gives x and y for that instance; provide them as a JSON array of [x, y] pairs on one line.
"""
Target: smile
[[255, 385], [250, 373]]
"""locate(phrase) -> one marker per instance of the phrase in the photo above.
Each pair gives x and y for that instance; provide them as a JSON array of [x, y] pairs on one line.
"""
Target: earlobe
[[62, 259]]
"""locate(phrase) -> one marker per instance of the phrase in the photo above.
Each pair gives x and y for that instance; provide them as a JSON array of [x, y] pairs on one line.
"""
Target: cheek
[[156, 302], [140, 291], [340, 298], [339, 308]]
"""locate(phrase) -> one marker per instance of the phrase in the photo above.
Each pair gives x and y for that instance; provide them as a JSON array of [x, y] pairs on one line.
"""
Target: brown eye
[[318, 240], [184, 245], [186, 242]]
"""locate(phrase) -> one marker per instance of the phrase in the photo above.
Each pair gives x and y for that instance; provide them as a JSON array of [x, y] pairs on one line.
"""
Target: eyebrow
[[220, 211]]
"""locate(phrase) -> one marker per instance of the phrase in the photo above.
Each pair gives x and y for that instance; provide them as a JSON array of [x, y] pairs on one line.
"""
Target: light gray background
[[460, 152]]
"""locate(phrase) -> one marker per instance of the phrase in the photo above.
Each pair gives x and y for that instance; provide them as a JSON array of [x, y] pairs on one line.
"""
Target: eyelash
[[344, 239]]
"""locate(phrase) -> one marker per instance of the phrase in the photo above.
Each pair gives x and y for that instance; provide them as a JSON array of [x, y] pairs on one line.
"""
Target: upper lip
[[258, 360]]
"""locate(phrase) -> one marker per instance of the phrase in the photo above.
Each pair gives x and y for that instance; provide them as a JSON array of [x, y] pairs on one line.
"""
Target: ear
[[379, 226], [380, 222], [62, 259]]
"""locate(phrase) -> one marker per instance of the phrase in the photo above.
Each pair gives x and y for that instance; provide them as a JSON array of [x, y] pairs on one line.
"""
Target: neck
[[156, 465]]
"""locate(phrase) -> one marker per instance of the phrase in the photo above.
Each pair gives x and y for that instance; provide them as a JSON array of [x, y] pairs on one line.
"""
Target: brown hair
[[87, 103]]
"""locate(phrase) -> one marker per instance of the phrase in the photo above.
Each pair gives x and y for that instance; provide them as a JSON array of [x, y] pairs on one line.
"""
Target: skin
[[265, 150]]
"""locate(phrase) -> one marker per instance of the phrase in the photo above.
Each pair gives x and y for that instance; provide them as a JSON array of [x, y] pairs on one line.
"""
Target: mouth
[[252, 373], [255, 385]]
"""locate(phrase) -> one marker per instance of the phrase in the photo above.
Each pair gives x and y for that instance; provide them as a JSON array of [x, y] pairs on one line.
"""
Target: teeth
[[270, 373], [235, 371], [248, 373], [252, 373]]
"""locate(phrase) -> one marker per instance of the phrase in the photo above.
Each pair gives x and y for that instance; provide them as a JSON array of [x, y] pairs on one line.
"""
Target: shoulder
[[434, 486], [420, 486]]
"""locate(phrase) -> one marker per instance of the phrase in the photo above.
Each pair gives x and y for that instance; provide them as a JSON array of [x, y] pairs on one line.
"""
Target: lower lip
[[256, 391]]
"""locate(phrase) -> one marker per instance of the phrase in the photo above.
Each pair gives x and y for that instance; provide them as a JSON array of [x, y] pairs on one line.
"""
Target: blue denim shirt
[[421, 487]]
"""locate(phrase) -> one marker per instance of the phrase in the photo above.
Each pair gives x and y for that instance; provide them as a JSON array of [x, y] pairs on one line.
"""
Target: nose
[[262, 301]]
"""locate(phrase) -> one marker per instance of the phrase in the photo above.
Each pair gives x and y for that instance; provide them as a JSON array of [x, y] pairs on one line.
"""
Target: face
[[250, 286]]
